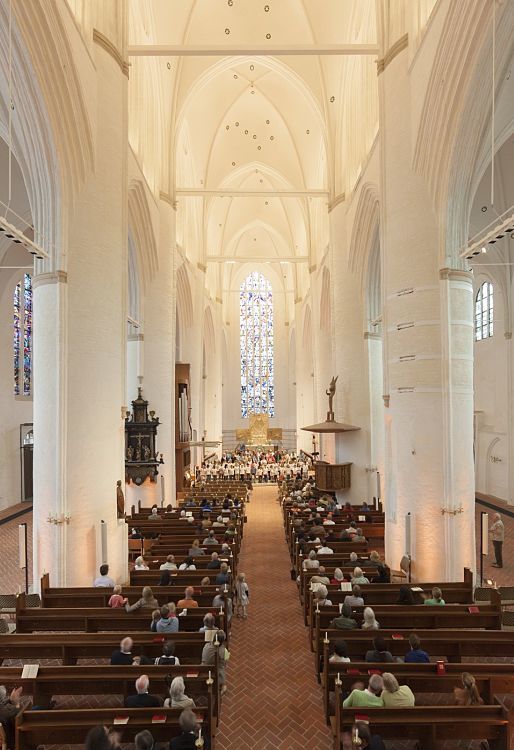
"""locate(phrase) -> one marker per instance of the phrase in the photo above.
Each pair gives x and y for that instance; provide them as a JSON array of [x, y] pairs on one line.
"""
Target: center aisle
[[273, 699]]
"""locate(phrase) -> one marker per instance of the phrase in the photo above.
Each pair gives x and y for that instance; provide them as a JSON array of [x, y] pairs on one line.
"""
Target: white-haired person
[[370, 697], [395, 695], [178, 697], [310, 561], [10, 707], [142, 698], [497, 531], [169, 564], [321, 596], [359, 577], [140, 564], [209, 623], [369, 621]]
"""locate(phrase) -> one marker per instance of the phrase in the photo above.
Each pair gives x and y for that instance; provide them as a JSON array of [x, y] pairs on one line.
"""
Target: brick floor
[[273, 699]]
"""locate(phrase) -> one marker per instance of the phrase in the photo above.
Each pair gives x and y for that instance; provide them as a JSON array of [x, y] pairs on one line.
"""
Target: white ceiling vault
[[259, 144]]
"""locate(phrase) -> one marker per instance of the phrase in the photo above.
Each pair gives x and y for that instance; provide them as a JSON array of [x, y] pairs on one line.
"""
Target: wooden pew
[[95, 619], [99, 679], [491, 679], [71, 726], [431, 726], [452, 644], [70, 647], [182, 578], [457, 592]]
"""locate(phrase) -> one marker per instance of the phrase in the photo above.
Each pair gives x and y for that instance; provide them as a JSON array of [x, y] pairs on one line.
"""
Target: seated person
[[215, 562], [189, 726], [321, 597], [358, 536], [344, 621], [379, 652], [142, 699], [178, 697], [188, 564], [165, 579], [370, 622], [209, 623], [196, 550], [324, 550], [416, 655], [468, 694], [211, 538], [147, 601], [366, 740], [187, 602], [117, 601], [395, 695], [338, 577], [140, 564], [104, 580], [406, 596], [355, 598], [167, 658], [358, 576], [340, 653], [369, 697], [437, 597], [310, 561], [168, 622], [169, 564], [143, 741], [10, 707], [154, 515], [124, 654], [223, 576]]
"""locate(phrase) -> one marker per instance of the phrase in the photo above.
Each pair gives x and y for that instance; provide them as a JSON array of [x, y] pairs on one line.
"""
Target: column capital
[[52, 277], [455, 274]]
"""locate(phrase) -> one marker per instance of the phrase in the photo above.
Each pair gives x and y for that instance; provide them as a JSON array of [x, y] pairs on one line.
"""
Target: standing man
[[498, 532]]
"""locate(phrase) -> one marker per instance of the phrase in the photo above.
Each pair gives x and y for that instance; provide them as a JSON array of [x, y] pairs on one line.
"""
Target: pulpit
[[141, 456]]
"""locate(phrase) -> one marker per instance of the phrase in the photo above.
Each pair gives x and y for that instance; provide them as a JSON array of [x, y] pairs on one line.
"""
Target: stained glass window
[[22, 336], [484, 322], [256, 337]]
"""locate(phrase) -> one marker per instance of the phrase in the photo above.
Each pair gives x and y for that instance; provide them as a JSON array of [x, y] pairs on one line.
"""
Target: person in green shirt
[[395, 695], [368, 698], [437, 597], [345, 620]]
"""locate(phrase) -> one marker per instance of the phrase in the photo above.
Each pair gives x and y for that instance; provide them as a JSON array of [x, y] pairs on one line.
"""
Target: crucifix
[[139, 437]]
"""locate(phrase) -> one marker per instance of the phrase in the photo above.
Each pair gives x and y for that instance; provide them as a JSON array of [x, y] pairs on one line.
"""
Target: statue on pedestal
[[120, 500], [331, 393]]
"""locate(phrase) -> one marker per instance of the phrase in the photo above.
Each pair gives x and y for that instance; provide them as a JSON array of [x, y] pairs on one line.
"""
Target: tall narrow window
[[256, 336], [22, 336], [484, 318]]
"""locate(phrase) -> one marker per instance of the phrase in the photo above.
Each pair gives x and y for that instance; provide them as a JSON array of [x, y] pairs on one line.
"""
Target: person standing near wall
[[498, 532]]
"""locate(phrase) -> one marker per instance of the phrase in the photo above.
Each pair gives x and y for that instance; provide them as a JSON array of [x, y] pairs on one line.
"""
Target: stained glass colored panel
[[256, 340], [22, 337], [16, 338]]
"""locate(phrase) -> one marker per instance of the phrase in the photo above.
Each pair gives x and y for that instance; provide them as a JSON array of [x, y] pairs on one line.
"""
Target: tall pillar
[[159, 354], [428, 349], [79, 361]]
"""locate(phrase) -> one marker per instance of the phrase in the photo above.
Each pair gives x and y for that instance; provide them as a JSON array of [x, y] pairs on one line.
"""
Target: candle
[[210, 678]]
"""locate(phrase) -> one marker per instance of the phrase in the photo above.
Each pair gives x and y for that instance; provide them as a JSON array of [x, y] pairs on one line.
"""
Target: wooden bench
[[430, 725], [452, 644], [491, 679], [34, 728], [70, 647]]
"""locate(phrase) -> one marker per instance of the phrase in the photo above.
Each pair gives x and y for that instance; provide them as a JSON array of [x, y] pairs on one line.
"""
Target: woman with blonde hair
[[140, 564], [395, 695], [147, 601], [369, 622], [468, 694]]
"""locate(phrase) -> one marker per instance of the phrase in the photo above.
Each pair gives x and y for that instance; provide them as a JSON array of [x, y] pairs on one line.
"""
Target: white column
[[429, 466], [159, 354], [80, 392]]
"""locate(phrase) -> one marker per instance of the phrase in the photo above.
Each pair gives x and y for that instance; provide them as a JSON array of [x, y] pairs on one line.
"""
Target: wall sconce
[[57, 520], [449, 512], [495, 459]]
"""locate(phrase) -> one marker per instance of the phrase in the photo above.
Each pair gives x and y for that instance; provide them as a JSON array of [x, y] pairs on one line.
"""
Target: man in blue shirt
[[416, 655]]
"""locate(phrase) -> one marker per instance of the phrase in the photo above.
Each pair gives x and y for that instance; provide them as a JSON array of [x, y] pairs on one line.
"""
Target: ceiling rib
[[221, 50], [252, 193]]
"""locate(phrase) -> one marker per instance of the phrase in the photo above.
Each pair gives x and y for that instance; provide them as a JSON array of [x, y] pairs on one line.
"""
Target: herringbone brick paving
[[273, 699]]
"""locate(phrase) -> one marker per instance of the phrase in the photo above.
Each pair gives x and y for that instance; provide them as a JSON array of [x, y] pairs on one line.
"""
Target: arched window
[[22, 336], [256, 336], [484, 312]]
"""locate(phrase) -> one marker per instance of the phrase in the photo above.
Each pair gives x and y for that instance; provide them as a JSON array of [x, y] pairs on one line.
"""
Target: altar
[[259, 434]]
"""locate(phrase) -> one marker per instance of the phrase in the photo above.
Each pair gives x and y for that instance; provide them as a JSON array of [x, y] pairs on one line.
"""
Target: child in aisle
[[242, 596]]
